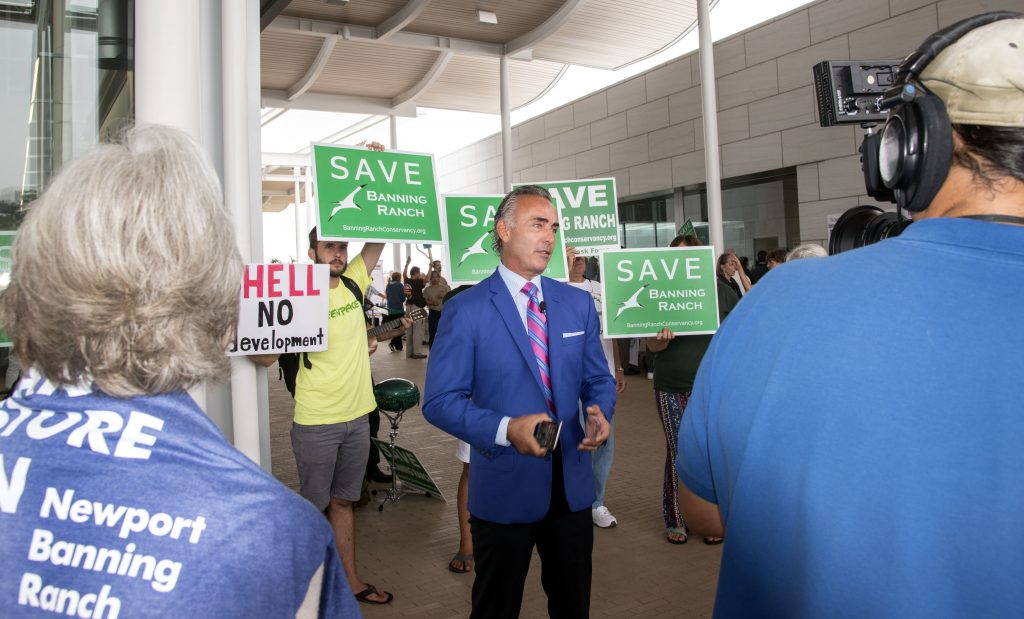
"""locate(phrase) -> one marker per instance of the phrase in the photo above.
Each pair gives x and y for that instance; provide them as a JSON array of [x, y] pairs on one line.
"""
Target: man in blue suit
[[515, 350]]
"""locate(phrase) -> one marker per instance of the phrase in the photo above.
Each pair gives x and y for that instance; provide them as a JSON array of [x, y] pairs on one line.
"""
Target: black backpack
[[288, 363]]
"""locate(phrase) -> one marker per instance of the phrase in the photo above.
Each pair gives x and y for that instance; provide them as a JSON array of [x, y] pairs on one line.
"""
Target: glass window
[[646, 222], [666, 232], [65, 68], [759, 212], [639, 235], [65, 85]]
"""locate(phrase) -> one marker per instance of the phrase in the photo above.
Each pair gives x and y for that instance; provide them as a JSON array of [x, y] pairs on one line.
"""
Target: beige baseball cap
[[980, 77]]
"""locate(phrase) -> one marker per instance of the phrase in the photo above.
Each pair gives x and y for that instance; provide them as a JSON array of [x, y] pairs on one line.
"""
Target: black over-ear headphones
[[915, 147]]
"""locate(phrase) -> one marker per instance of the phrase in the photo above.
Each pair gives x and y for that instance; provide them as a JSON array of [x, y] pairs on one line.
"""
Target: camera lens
[[884, 226], [890, 152], [864, 225]]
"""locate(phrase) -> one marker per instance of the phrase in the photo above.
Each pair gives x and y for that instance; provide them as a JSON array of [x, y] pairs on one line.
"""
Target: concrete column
[[197, 69], [506, 125], [710, 110], [308, 216], [240, 34], [168, 91], [396, 248], [301, 238], [167, 67]]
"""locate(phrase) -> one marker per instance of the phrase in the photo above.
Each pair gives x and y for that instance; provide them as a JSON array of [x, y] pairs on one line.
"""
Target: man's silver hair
[[806, 250], [507, 210], [125, 270]]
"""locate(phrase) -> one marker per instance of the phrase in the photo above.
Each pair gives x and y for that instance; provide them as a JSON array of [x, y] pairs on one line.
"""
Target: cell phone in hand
[[546, 433]]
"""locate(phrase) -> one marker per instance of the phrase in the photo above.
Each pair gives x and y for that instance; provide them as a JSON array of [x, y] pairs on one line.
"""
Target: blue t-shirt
[[138, 508], [859, 420]]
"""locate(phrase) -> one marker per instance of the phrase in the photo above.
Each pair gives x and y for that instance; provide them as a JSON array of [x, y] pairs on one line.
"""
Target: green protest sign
[[646, 290], [6, 241], [689, 229], [470, 221], [589, 211], [374, 196]]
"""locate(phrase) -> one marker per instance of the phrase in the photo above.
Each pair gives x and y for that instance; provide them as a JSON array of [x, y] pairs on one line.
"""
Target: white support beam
[[547, 88], [709, 96], [284, 159], [426, 81], [402, 18], [281, 178], [314, 70], [240, 71], [271, 116], [543, 31], [337, 103], [367, 34], [299, 178], [356, 127], [505, 101]]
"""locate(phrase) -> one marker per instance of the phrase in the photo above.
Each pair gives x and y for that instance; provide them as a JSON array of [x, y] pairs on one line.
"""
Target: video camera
[[857, 91]]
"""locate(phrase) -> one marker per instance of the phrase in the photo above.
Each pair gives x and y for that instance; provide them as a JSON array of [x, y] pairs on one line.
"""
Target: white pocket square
[[573, 334]]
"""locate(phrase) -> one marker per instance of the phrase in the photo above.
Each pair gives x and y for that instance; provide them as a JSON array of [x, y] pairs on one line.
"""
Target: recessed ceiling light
[[486, 17]]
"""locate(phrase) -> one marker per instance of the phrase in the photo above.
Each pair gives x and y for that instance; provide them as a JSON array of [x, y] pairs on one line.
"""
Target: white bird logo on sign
[[348, 202], [475, 248], [631, 302]]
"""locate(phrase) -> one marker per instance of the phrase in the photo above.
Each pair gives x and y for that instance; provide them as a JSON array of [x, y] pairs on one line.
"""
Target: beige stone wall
[[647, 131]]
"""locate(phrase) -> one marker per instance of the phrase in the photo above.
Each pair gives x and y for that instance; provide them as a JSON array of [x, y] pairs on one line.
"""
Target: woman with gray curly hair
[[120, 497]]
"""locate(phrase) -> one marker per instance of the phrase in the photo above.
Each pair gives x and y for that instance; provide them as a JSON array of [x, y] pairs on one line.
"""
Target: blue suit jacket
[[482, 369]]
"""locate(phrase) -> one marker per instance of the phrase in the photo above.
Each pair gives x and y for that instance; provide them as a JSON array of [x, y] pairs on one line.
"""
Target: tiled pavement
[[405, 549]]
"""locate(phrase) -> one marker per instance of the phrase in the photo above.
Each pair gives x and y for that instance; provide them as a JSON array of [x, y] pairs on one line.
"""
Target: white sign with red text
[[282, 308]]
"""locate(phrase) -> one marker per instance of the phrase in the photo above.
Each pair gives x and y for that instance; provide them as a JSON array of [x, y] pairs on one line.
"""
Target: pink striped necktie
[[537, 328]]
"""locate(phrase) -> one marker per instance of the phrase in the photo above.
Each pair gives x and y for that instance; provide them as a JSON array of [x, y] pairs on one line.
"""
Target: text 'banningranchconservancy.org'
[[602, 238], [659, 325], [351, 228]]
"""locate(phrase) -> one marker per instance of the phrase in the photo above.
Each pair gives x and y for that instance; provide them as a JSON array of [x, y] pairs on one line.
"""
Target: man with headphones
[[870, 462]]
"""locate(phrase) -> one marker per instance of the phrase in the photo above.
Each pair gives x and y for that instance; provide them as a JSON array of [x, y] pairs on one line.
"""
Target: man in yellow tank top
[[333, 396]]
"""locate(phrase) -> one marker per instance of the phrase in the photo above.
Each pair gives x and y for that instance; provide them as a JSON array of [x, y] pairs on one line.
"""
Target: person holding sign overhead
[[118, 495], [333, 398], [514, 357]]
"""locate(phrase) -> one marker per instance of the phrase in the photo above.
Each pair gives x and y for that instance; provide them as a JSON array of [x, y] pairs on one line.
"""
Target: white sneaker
[[602, 517]]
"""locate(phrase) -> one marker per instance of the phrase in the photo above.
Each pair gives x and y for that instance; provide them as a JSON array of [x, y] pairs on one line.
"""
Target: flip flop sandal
[[676, 531], [465, 559], [713, 541], [364, 595]]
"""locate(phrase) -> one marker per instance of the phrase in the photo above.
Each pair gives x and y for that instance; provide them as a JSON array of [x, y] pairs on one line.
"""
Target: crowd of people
[[840, 486]]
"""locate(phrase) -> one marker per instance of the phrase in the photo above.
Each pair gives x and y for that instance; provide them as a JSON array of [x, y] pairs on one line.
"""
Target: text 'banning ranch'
[[65, 519]]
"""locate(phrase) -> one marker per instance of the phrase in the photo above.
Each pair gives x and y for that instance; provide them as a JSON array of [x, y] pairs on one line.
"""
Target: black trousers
[[433, 319], [502, 552], [374, 459]]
